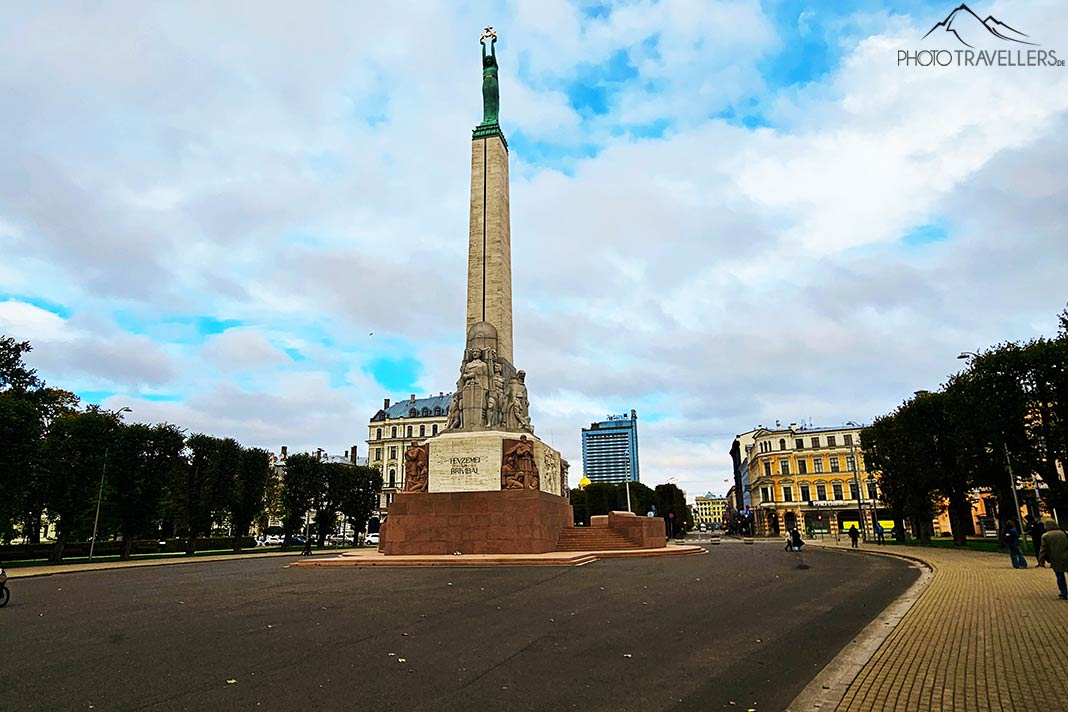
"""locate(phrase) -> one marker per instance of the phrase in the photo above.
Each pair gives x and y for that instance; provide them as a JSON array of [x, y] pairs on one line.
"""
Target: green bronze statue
[[491, 98]]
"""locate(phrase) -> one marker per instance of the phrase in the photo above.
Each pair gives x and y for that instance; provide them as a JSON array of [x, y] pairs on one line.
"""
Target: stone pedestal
[[501, 522], [471, 462]]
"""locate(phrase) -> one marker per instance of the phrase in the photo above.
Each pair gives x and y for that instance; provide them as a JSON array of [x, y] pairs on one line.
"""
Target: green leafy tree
[[74, 452], [203, 486], [359, 495], [248, 491], [335, 480], [142, 461], [672, 508], [301, 485], [20, 431]]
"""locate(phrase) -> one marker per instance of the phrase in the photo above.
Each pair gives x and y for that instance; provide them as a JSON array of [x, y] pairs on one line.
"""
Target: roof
[[402, 408]]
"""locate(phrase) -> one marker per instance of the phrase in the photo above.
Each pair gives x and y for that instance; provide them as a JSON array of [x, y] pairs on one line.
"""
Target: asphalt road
[[742, 627]]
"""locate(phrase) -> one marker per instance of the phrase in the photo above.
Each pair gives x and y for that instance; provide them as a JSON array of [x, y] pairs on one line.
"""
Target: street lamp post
[[856, 482], [100, 491]]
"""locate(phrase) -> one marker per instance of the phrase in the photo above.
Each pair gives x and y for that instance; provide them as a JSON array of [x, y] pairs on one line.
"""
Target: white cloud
[[311, 182]]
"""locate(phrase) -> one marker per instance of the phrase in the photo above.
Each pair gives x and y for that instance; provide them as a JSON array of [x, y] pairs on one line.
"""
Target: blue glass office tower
[[610, 449]]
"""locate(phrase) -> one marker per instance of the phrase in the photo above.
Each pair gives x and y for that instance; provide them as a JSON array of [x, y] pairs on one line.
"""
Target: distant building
[[709, 510], [393, 428], [610, 449], [813, 479]]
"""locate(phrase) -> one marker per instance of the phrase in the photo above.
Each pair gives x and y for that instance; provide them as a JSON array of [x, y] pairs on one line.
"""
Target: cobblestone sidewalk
[[983, 636]]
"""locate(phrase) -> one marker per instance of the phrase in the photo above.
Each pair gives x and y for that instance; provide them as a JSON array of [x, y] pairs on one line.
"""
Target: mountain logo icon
[[969, 29]]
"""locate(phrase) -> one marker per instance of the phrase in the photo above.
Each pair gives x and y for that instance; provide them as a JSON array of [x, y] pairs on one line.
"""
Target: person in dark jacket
[[1054, 551], [854, 535], [1035, 529], [1012, 540]]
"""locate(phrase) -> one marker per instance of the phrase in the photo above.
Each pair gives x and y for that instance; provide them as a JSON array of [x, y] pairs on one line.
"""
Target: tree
[[14, 374], [335, 479], [248, 491], [74, 453], [359, 496], [301, 484], [142, 461], [671, 506], [204, 483], [21, 432]]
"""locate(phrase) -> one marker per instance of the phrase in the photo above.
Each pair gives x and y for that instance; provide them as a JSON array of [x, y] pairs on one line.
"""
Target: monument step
[[599, 539]]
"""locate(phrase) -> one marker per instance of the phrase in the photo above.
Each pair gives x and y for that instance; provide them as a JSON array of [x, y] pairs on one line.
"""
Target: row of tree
[[1003, 418], [82, 469], [666, 501]]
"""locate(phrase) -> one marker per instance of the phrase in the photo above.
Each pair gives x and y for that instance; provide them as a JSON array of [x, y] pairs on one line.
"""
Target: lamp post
[[856, 482], [100, 491]]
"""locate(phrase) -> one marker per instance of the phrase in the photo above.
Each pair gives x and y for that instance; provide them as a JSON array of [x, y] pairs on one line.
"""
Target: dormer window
[[426, 412], [413, 412]]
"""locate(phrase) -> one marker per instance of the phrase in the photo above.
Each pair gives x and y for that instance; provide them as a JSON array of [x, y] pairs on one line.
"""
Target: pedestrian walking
[[1035, 529], [880, 533], [795, 539], [1012, 540], [1053, 550], [306, 551], [854, 535]]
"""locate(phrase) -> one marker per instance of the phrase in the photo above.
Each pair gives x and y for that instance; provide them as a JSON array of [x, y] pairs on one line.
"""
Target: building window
[[782, 443], [806, 496], [409, 431], [854, 493], [392, 478], [426, 412], [787, 493], [784, 466], [434, 429], [815, 442], [836, 487], [821, 493], [848, 438], [393, 453], [437, 410], [765, 494], [851, 463], [873, 491], [817, 464], [413, 413], [767, 468], [393, 432], [802, 466], [830, 441], [799, 444], [378, 434], [422, 430], [378, 453], [834, 463]]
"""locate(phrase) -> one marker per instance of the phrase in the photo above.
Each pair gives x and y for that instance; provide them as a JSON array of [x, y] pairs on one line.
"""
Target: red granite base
[[504, 522]]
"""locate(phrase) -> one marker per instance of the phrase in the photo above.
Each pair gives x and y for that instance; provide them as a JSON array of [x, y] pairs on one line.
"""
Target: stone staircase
[[592, 539]]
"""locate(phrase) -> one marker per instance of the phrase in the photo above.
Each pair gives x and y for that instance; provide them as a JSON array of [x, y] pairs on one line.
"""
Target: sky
[[250, 219]]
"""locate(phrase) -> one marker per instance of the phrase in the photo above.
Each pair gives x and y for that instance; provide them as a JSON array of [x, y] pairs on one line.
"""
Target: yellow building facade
[[709, 510], [812, 479]]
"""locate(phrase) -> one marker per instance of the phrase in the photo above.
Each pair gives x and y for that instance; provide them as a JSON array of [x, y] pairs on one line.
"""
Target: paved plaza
[[982, 636], [741, 627]]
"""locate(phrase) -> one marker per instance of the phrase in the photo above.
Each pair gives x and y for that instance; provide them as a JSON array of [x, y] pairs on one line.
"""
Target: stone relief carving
[[564, 467], [519, 468], [416, 468]]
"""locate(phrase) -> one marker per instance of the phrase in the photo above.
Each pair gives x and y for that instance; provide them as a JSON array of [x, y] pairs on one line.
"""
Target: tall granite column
[[489, 260]]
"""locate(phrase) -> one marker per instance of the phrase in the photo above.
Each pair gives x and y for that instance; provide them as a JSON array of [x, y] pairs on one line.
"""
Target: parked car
[[273, 539], [371, 539]]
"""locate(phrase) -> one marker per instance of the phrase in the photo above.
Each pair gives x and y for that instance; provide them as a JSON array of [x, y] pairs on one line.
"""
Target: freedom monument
[[487, 484]]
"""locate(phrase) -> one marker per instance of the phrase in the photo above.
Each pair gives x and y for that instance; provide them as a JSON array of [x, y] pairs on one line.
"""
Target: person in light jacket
[[1054, 551]]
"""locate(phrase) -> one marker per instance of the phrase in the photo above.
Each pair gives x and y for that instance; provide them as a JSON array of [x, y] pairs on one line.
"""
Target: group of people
[[1050, 542]]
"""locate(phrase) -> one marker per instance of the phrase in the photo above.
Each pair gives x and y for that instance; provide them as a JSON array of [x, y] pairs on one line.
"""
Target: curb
[[827, 689], [60, 569]]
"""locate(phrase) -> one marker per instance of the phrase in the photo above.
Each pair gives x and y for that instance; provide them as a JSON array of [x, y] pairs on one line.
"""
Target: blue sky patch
[[94, 397], [49, 306], [396, 374], [161, 397], [926, 234]]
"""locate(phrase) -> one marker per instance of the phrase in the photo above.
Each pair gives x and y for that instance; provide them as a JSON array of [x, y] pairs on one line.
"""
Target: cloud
[[711, 209]]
